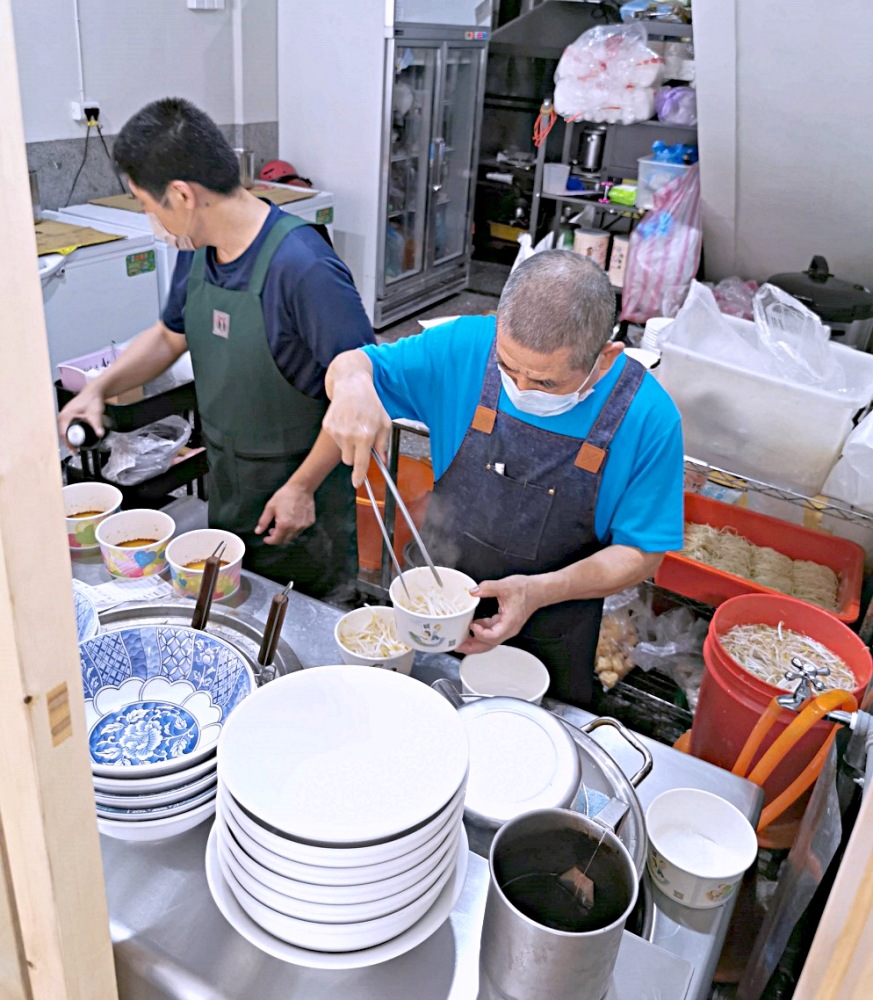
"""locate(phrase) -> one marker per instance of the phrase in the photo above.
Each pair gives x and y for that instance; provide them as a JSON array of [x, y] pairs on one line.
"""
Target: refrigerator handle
[[437, 155]]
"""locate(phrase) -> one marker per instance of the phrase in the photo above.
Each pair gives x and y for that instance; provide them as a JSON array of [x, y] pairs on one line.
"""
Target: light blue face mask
[[545, 404]]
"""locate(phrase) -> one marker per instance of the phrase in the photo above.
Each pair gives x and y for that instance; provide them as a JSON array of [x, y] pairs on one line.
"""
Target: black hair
[[171, 139]]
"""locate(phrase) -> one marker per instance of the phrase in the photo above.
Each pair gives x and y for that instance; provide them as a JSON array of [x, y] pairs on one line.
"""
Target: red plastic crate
[[712, 586]]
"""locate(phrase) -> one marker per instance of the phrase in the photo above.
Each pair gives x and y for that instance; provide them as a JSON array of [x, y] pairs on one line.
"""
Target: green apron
[[258, 429]]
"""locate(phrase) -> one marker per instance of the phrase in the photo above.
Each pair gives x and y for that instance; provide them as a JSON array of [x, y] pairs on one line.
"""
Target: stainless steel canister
[[246, 159], [525, 953], [591, 142]]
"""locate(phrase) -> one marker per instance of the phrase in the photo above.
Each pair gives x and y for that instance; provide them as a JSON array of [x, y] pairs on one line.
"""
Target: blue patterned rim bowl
[[156, 697], [87, 620]]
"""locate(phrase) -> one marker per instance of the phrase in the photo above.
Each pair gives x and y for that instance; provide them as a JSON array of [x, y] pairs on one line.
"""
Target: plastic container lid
[[835, 301]]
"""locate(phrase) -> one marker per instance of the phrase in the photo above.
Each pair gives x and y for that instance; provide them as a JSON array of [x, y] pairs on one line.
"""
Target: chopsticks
[[384, 531], [211, 569], [273, 628], [407, 516]]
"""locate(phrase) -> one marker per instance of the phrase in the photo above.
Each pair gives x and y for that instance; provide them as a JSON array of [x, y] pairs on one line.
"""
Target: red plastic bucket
[[415, 482], [732, 700]]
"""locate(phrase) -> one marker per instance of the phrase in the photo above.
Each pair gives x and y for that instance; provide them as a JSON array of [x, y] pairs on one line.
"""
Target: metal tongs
[[408, 518]]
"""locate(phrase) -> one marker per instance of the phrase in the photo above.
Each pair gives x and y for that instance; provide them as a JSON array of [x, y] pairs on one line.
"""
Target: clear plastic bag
[[664, 251], [147, 451], [676, 105], [734, 297], [673, 644], [618, 635], [608, 75], [851, 479]]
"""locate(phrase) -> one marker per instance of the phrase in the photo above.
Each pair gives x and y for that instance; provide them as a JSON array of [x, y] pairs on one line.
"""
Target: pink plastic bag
[[664, 251]]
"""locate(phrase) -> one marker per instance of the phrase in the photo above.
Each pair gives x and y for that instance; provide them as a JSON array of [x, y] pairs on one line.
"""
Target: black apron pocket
[[510, 516]]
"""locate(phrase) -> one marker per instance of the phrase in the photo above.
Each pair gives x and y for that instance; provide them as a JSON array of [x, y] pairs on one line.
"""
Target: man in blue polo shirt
[[263, 304], [557, 460]]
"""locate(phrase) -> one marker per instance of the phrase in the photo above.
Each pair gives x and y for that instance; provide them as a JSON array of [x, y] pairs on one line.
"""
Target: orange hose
[[809, 716], [756, 736], [797, 787], [541, 127]]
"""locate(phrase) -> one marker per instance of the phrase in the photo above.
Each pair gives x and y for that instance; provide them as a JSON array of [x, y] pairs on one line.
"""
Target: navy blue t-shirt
[[312, 310]]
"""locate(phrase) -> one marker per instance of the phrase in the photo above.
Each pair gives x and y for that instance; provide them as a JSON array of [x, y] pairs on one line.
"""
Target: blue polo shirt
[[312, 310], [436, 377]]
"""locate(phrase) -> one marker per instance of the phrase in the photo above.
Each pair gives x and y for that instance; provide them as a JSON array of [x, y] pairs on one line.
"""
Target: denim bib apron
[[258, 429], [535, 517]]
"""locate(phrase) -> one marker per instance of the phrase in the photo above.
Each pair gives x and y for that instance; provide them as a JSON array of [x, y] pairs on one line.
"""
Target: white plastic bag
[[851, 479], [147, 451], [608, 74], [525, 249]]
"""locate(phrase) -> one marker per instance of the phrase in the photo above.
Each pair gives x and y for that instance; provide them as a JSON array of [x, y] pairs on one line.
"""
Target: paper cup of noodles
[[368, 636], [188, 553], [699, 846], [433, 618], [133, 543], [85, 506]]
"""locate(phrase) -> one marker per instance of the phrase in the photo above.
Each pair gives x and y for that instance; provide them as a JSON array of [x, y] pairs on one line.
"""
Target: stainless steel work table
[[171, 941]]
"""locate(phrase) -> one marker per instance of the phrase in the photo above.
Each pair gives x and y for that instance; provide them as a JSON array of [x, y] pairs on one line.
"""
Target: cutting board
[[125, 201], [281, 196]]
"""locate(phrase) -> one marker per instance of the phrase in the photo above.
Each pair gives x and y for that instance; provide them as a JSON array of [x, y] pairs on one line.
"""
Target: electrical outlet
[[78, 108]]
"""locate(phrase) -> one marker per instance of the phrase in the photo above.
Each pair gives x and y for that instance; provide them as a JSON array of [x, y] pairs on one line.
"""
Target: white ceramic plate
[[156, 829], [318, 875], [326, 913], [521, 758], [134, 785], [349, 857], [179, 794], [341, 757], [155, 812], [236, 916]]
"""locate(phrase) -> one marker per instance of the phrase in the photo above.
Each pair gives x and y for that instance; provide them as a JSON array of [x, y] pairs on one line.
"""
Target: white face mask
[[544, 404], [162, 233]]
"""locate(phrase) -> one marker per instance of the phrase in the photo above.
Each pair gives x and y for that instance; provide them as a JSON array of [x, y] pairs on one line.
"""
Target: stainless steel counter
[[171, 941]]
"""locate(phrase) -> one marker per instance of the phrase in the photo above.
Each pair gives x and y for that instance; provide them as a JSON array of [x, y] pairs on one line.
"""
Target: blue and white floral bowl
[[156, 697], [87, 620]]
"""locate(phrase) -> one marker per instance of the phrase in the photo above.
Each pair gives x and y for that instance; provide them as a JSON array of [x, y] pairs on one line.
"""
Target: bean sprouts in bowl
[[433, 618], [368, 636]]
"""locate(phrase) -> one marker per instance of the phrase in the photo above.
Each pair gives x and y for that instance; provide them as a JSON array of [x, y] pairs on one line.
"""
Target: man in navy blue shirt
[[263, 304]]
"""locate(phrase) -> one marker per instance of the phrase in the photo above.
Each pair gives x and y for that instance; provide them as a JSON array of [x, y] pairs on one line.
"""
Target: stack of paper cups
[[592, 243], [618, 260]]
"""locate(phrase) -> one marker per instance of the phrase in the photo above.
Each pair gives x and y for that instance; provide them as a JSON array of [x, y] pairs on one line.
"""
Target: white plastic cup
[[700, 845]]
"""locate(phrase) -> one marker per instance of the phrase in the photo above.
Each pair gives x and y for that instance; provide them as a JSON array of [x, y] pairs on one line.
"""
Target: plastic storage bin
[[713, 586], [758, 426], [652, 176]]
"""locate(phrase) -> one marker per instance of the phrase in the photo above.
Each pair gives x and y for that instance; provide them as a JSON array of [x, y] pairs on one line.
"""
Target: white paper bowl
[[277, 896], [322, 877], [505, 671], [335, 937], [699, 846], [347, 857], [194, 546], [79, 497], [156, 829], [357, 620], [128, 526], [433, 633]]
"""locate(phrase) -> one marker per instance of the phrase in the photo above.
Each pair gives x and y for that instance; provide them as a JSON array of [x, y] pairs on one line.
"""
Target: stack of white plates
[[157, 697], [339, 839]]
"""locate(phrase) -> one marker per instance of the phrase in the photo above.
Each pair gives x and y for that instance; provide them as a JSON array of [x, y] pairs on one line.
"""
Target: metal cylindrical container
[[246, 159], [591, 141], [538, 942]]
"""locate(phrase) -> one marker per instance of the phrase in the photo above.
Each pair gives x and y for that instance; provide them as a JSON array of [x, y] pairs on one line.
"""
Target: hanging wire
[[111, 160], [81, 165]]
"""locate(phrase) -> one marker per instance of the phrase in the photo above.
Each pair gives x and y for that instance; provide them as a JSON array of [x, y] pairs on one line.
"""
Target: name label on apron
[[220, 324]]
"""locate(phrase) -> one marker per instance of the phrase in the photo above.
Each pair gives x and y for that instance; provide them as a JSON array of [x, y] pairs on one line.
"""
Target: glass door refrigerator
[[431, 121]]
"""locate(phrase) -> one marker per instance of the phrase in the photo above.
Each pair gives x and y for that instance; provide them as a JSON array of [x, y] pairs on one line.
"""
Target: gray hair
[[558, 299]]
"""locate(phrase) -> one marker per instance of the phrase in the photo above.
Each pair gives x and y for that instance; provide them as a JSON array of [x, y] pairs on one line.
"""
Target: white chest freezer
[[98, 294], [317, 209]]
